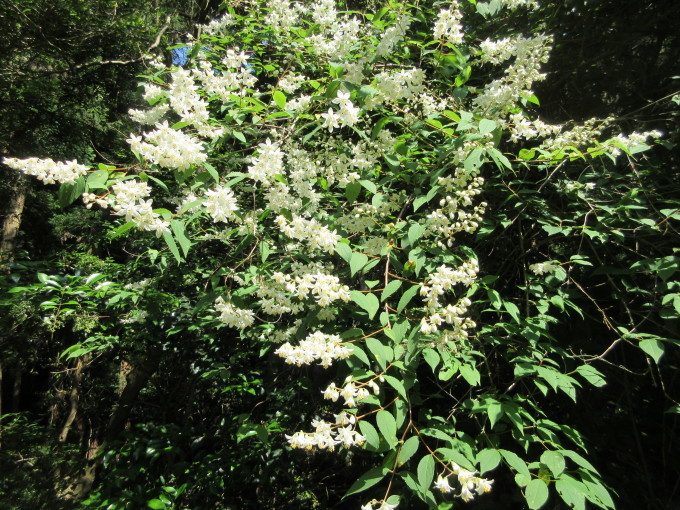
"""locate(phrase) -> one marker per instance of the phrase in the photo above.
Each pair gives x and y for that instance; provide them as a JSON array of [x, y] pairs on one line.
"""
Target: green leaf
[[415, 232], [390, 289], [592, 375], [178, 230], [425, 472], [408, 450], [431, 358], [69, 193], [488, 460], [170, 241], [406, 297], [470, 374], [512, 310], [156, 504], [352, 191], [369, 185], [368, 302], [357, 262], [572, 492], [212, 171], [451, 455], [555, 462], [494, 298], [423, 199], [536, 493], [387, 426], [370, 433], [123, 228], [344, 250], [97, 179], [495, 412], [652, 347], [397, 385], [366, 481], [487, 126], [280, 99], [515, 462], [378, 350]]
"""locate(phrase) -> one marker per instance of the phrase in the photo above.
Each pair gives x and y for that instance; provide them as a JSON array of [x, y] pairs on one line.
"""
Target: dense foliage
[[346, 265]]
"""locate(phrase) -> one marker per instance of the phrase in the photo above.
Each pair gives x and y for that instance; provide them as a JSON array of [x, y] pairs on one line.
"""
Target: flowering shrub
[[339, 161]]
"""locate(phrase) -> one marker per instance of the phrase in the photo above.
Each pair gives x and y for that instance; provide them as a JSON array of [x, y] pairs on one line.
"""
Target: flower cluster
[[468, 480], [444, 279], [499, 97], [541, 268], [169, 148], [268, 163], [284, 292], [448, 26], [328, 435], [221, 203], [128, 200], [233, 316], [311, 231], [47, 170], [317, 346], [351, 391]]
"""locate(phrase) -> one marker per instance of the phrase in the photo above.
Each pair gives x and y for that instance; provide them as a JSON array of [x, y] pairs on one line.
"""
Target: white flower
[[442, 484]]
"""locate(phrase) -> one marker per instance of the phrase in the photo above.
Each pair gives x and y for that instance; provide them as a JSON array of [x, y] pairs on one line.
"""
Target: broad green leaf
[[357, 262], [97, 179], [495, 413], [366, 481], [555, 462], [370, 433], [512, 309], [652, 347], [178, 230], [170, 241], [494, 298], [488, 460], [425, 472], [390, 289], [592, 375], [536, 493], [368, 302], [387, 426], [470, 374], [407, 296], [378, 350], [156, 504], [352, 191], [408, 449], [487, 126], [265, 251], [415, 232], [452, 455], [344, 251], [212, 171], [431, 358], [397, 385], [515, 462], [280, 99], [572, 492]]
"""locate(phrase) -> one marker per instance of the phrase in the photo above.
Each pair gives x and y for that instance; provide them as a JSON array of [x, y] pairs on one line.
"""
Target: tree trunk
[[0, 404], [73, 401], [12, 220], [16, 389], [136, 380]]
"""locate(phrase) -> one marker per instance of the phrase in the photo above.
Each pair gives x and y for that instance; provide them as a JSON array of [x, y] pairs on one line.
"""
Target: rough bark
[[136, 380], [12, 221], [73, 401]]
